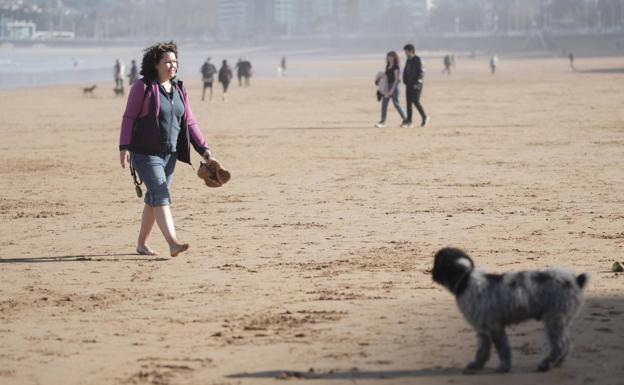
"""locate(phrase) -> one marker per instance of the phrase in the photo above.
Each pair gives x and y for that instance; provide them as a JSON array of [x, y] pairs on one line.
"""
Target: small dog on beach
[[89, 90], [489, 302]]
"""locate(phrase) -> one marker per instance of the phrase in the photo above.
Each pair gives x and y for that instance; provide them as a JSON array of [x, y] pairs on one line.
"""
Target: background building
[[262, 19], [18, 30]]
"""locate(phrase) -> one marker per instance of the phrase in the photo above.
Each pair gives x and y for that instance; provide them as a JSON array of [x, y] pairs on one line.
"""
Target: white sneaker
[[380, 125], [406, 125], [425, 121]]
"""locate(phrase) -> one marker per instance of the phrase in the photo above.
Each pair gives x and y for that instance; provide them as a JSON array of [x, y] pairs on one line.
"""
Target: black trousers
[[412, 95]]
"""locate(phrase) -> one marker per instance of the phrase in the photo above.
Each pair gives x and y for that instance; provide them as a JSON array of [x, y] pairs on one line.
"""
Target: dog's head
[[451, 268]]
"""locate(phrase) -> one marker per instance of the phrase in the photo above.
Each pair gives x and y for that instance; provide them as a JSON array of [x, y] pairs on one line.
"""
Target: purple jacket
[[139, 126]]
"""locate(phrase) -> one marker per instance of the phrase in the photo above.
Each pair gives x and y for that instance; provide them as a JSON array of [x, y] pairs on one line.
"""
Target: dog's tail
[[582, 279]]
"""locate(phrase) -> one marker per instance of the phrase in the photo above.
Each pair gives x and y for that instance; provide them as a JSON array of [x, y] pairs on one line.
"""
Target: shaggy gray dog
[[489, 302]]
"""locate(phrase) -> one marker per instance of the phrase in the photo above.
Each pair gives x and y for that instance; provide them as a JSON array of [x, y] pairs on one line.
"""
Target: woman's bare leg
[[147, 224], [164, 219]]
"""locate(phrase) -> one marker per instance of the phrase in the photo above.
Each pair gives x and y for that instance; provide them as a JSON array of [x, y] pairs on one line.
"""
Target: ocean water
[[40, 66]]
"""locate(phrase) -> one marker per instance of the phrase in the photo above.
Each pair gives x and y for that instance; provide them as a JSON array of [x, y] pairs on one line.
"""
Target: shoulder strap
[[135, 177], [147, 87]]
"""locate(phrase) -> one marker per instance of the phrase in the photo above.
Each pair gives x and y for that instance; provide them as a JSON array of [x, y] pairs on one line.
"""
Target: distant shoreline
[[590, 43], [32, 64]]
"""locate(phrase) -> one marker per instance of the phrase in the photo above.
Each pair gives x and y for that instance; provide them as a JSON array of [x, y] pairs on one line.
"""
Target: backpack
[[208, 70]]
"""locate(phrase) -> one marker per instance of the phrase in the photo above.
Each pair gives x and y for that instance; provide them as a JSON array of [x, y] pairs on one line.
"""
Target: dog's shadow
[[85, 258]]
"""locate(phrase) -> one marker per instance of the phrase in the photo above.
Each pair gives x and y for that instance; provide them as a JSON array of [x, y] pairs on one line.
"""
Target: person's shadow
[[357, 374], [353, 374], [85, 258]]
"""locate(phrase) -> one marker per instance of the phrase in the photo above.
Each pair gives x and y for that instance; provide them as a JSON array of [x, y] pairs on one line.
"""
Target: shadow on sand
[[341, 126], [349, 374], [86, 258], [596, 342], [320, 128], [604, 71]]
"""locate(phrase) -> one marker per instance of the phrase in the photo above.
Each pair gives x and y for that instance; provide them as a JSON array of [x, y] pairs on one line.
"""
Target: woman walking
[[157, 129], [393, 77]]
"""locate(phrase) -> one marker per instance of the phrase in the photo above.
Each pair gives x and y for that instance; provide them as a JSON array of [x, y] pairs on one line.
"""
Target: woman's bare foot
[[145, 250], [178, 248]]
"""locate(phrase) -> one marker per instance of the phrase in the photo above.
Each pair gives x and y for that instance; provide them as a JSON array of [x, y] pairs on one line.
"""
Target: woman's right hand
[[124, 158]]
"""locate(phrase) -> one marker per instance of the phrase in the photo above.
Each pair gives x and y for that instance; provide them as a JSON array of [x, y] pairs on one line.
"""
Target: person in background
[[281, 70], [393, 80], [239, 71], [413, 75], [247, 71], [571, 58], [225, 77], [208, 71], [118, 74], [157, 129], [493, 64], [447, 65], [134, 73]]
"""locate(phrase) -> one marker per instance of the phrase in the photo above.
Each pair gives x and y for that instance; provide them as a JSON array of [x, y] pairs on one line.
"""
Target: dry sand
[[313, 262]]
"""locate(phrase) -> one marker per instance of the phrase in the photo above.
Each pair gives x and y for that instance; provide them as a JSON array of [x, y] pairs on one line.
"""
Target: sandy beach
[[313, 263]]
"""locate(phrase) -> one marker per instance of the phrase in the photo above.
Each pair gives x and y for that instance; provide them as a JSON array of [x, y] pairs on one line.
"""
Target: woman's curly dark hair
[[152, 56]]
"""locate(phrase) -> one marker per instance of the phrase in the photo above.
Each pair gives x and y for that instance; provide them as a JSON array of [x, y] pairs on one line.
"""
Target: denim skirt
[[156, 172]]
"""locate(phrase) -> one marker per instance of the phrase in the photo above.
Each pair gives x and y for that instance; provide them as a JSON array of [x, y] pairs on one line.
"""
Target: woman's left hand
[[207, 155]]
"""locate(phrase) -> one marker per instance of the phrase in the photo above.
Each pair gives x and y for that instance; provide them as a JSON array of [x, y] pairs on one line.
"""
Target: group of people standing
[[118, 75], [388, 86], [224, 75]]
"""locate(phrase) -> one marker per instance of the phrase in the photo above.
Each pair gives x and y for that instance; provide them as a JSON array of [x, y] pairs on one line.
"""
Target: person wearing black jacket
[[413, 78], [224, 77]]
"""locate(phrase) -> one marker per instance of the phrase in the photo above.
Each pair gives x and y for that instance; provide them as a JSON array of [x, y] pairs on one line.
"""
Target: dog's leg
[[483, 353], [499, 337], [559, 343], [565, 350]]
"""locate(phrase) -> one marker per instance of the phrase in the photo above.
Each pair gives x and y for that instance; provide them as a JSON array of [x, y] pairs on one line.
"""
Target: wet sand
[[313, 261]]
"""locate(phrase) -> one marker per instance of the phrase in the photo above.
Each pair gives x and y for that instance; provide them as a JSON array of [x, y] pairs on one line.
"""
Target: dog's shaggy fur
[[489, 302]]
